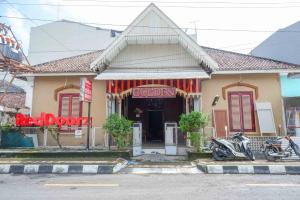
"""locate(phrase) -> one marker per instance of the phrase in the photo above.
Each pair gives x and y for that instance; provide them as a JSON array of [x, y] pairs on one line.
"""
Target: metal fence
[[76, 138]]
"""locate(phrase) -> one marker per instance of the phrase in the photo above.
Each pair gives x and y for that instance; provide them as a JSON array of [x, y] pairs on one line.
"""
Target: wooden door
[[221, 122]]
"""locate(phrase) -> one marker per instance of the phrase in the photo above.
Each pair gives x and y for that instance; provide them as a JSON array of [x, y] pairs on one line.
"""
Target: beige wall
[[43, 101], [268, 91]]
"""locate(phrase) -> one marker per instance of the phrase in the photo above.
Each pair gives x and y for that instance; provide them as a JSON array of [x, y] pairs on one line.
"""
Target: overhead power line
[[155, 27], [32, 21], [207, 6], [187, 2]]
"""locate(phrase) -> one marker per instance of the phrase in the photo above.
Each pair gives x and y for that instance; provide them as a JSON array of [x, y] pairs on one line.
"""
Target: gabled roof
[[139, 32], [227, 62]]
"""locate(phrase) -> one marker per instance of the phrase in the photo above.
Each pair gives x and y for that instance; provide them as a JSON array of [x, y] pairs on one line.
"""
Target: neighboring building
[[12, 61], [65, 38], [12, 103], [162, 73], [284, 45]]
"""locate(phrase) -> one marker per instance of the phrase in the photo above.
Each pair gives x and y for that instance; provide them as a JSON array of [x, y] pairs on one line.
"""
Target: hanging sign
[[154, 92], [85, 90]]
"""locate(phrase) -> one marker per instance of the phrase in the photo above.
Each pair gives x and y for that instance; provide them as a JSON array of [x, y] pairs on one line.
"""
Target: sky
[[233, 25]]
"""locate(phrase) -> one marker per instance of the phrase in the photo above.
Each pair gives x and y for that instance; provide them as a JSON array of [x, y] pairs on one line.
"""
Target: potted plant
[[192, 124], [120, 129]]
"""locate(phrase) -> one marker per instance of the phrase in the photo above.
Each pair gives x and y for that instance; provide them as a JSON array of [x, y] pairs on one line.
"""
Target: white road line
[[81, 185], [273, 185]]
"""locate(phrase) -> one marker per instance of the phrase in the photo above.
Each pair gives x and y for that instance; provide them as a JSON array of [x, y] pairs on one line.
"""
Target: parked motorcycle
[[237, 148], [273, 150]]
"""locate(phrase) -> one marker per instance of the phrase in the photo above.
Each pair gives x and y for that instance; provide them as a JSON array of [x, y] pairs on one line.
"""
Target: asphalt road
[[144, 187]]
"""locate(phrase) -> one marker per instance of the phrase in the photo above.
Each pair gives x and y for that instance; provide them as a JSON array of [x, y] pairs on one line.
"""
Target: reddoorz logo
[[48, 119]]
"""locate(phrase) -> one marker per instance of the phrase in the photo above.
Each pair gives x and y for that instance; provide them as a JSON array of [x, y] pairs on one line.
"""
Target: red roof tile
[[227, 61], [14, 100], [79, 63]]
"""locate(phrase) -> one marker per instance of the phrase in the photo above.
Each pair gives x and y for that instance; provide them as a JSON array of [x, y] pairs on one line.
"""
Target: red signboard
[[48, 119], [85, 90], [154, 92]]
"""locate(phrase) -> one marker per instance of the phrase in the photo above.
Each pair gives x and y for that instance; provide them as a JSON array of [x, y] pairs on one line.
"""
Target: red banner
[[48, 119], [85, 90], [154, 92]]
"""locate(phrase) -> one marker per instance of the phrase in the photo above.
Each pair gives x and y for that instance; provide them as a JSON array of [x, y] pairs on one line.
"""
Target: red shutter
[[241, 111], [235, 112], [70, 105]]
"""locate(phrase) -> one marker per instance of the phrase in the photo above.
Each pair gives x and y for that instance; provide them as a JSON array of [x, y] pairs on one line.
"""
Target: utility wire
[[142, 6], [182, 28], [187, 2], [32, 21]]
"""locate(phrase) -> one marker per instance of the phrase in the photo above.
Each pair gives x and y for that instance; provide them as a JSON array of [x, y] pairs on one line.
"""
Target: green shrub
[[192, 124], [120, 129]]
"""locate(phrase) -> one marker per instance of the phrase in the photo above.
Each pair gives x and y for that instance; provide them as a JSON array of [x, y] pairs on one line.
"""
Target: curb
[[154, 169], [57, 169], [249, 169]]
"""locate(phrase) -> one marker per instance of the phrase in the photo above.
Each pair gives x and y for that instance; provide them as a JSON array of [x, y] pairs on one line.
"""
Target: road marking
[[273, 185], [81, 185]]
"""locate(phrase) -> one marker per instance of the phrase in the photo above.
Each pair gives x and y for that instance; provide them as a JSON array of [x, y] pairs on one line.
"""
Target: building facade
[[284, 46], [154, 72]]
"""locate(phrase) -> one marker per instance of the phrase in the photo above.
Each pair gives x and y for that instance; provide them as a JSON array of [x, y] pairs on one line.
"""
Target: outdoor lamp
[[215, 101]]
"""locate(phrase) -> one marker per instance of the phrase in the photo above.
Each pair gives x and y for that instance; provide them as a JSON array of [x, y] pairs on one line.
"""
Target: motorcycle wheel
[[267, 152], [216, 156], [296, 150], [250, 154]]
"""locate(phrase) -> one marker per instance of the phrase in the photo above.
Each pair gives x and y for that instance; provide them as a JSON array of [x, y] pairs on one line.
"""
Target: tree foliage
[[120, 129], [192, 124]]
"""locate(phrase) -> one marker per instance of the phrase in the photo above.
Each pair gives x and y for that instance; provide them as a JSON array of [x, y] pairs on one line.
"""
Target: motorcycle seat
[[273, 142]]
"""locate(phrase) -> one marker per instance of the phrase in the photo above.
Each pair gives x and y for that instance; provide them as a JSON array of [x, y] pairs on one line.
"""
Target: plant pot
[[196, 155]]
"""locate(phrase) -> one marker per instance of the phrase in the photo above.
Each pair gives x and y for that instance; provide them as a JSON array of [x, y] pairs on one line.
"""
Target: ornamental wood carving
[[57, 90], [255, 88]]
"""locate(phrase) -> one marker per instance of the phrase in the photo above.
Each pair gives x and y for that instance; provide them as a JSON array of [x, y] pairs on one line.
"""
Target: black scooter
[[238, 148]]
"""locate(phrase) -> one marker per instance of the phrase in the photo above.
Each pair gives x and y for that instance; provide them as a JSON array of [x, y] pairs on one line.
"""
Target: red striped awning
[[187, 86]]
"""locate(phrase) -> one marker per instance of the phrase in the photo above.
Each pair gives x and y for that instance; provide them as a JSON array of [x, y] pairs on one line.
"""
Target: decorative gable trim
[[180, 37]]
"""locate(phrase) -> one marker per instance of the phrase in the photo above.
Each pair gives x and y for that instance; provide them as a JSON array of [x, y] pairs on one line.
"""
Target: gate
[[137, 139], [171, 138]]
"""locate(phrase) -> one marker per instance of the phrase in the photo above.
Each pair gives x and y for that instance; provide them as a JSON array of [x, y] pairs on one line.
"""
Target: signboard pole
[[86, 96], [88, 128]]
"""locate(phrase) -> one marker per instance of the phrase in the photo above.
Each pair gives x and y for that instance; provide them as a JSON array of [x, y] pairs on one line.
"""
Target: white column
[[29, 93], [187, 106], [45, 137], [197, 106]]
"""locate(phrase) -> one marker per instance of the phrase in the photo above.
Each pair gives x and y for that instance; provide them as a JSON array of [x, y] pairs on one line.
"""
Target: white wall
[[63, 39]]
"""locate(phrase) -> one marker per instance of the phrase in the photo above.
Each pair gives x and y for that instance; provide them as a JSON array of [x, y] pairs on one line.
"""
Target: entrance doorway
[[153, 113], [156, 126]]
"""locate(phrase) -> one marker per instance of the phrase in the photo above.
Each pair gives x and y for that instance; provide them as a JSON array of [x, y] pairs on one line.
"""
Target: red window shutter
[[235, 112], [241, 111], [69, 106], [247, 111], [75, 110], [65, 109]]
